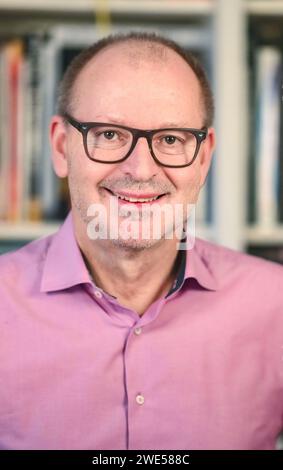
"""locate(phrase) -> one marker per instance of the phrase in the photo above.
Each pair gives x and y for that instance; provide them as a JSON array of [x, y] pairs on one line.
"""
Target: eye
[[108, 135], [170, 139]]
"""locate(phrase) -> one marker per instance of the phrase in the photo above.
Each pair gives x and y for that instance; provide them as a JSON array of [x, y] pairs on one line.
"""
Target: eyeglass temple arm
[[73, 122]]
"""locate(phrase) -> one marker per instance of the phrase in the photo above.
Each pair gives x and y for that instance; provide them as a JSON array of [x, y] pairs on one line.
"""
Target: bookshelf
[[223, 26], [265, 21]]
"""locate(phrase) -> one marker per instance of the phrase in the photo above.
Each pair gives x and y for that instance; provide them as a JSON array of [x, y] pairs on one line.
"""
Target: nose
[[140, 164]]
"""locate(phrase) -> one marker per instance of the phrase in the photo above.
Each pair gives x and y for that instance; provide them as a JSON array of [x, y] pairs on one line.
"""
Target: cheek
[[79, 185], [187, 181], [84, 177], [79, 167]]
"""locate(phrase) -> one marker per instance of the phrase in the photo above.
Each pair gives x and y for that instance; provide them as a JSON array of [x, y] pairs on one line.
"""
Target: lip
[[136, 196]]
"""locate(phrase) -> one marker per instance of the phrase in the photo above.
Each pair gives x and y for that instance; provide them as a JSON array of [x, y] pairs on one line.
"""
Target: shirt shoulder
[[231, 266], [24, 264]]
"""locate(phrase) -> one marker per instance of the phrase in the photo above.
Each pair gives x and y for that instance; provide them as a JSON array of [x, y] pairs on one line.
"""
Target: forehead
[[137, 81]]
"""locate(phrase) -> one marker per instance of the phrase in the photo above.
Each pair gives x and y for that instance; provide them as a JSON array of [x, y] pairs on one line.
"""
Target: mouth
[[137, 199]]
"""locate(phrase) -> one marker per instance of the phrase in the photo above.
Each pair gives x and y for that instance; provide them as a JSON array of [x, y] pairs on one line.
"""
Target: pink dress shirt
[[202, 368]]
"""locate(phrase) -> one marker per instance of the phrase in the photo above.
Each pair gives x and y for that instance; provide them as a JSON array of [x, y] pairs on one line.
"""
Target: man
[[116, 342]]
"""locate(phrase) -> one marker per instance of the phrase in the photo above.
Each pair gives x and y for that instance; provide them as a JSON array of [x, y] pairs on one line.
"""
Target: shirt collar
[[64, 265], [198, 266], [194, 264]]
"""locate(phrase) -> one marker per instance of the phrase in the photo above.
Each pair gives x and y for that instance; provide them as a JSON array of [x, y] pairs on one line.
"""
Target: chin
[[133, 244]]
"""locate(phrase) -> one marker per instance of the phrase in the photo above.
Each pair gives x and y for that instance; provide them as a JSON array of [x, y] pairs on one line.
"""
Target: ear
[[58, 137], [206, 153]]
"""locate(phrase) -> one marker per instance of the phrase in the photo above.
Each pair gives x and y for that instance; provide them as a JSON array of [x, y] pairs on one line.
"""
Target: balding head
[[137, 48]]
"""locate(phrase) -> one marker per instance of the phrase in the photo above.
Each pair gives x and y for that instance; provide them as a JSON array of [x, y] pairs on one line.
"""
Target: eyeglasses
[[109, 143]]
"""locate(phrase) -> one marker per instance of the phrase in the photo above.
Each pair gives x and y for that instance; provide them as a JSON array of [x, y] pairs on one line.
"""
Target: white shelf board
[[32, 230], [26, 230], [203, 7], [264, 7], [257, 235]]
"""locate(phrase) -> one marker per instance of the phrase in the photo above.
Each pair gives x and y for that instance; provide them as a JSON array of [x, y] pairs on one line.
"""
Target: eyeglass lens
[[172, 147]]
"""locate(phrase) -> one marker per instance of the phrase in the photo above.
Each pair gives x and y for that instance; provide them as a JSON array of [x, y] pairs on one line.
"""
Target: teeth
[[132, 199]]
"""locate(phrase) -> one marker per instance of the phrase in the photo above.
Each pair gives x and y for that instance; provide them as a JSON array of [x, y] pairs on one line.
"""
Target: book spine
[[267, 136]]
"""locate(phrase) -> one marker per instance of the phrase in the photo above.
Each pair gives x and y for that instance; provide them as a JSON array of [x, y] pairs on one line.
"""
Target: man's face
[[143, 91]]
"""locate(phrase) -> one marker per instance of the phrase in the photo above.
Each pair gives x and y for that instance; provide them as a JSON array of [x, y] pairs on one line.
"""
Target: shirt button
[[140, 399], [98, 294], [138, 330]]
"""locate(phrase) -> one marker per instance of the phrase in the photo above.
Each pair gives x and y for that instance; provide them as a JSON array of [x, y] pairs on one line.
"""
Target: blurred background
[[240, 44]]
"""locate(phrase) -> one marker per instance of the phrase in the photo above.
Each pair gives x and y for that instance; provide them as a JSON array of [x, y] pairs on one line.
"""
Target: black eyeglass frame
[[84, 127]]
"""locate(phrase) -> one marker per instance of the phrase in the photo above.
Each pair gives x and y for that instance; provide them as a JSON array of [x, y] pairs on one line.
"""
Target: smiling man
[[127, 341], [154, 88]]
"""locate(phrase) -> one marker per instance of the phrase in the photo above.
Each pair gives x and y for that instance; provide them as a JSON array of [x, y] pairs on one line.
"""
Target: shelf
[[31, 230], [160, 7], [264, 7], [26, 231], [257, 235]]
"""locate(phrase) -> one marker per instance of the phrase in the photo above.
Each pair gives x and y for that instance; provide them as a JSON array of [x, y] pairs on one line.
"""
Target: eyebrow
[[164, 125]]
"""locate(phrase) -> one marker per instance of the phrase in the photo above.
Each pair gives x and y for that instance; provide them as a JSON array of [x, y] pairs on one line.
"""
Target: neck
[[136, 277]]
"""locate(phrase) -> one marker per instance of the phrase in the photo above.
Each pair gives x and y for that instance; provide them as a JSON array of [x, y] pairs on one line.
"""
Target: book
[[11, 129], [265, 204], [267, 135]]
